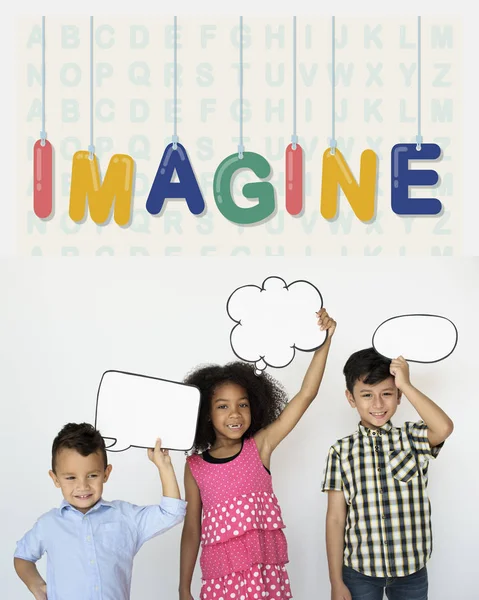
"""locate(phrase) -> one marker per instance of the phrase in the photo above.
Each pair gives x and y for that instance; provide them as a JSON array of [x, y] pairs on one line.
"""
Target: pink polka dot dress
[[243, 547]]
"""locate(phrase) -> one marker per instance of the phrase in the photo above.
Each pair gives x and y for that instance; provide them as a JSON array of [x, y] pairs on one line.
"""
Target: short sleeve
[[153, 520], [32, 545], [417, 434], [332, 473]]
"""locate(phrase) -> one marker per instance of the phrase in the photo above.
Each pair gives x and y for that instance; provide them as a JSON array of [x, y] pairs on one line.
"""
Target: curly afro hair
[[267, 397]]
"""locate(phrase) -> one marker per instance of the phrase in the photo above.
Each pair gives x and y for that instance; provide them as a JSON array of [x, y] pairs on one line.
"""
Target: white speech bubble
[[135, 410], [419, 338], [275, 320]]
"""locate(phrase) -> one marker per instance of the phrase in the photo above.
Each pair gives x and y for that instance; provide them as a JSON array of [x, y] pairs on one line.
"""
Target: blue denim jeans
[[363, 587]]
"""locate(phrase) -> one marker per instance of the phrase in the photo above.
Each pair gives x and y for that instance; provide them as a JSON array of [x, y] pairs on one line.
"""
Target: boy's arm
[[191, 536], [162, 460], [439, 425], [152, 520], [268, 438], [30, 549], [335, 523], [28, 573]]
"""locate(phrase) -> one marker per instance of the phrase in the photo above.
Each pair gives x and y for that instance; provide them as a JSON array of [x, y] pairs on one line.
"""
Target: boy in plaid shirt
[[378, 524]]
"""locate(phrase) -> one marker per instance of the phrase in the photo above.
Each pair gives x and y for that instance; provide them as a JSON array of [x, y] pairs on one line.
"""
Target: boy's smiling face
[[80, 478], [377, 403]]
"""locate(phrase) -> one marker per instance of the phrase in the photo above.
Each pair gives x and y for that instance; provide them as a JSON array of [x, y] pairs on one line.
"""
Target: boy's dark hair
[[366, 365], [82, 437], [266, 395]]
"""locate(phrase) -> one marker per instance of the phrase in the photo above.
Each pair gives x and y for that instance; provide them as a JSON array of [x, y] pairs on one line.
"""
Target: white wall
[[63, 322]]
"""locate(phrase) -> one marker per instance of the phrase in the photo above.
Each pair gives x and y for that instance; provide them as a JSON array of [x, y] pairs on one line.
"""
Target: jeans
[[363, 587]]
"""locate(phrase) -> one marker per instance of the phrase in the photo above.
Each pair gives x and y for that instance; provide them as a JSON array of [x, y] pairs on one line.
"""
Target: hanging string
[[332, 141], [294, 137], [240, 145], [91, 147], [43, 133], [418, 137], [175, 84]]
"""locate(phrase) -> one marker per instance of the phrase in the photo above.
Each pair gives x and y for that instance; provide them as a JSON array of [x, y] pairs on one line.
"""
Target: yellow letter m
[[87, 190]]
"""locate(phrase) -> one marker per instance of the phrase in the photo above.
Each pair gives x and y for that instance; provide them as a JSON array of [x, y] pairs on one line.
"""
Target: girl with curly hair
[[232, 510]]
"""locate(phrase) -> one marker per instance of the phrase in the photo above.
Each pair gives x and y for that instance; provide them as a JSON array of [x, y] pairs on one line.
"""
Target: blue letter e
[[402, 178]]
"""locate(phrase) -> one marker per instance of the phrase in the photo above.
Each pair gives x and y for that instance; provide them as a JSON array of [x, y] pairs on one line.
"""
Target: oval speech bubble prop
[[275, 320], [135, 410], [419, 338]]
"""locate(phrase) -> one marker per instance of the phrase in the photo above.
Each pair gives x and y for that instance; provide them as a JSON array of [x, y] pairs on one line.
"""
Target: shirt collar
[[386, 428], [67, 506]]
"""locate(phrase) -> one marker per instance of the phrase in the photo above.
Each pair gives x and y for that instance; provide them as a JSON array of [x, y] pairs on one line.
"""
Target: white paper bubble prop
[[134, 410], [420, 338], [274, 320]]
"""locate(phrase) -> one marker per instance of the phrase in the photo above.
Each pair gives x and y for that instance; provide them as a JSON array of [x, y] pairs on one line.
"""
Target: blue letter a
[[186, 187]]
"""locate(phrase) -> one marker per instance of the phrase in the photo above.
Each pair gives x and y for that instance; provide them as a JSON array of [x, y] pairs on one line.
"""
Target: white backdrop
[[64, 322]]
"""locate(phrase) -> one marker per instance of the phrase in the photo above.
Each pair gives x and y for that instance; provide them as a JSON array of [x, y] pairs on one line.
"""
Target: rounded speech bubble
[[133, 410], [420, 338], [273, 321]]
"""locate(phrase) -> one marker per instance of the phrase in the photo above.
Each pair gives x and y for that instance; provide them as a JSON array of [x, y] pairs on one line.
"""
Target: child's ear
[[107, 473], [350, 399], [54, 478], [399, 396]]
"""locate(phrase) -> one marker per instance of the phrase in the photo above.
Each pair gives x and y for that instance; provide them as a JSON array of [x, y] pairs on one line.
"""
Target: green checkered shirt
[[383, 474]]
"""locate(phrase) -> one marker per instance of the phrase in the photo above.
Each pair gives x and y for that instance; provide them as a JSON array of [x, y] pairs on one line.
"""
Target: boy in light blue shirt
[[90, 542]]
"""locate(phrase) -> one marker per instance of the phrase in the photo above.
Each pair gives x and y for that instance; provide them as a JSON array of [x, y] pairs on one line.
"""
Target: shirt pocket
[[403, 465], [116, 537]]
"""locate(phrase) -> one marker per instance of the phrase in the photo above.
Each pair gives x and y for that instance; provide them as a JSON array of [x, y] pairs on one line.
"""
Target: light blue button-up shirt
[[90, 556]]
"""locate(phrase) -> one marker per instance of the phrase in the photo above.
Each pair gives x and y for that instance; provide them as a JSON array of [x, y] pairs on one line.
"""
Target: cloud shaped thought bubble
[[274, 320]]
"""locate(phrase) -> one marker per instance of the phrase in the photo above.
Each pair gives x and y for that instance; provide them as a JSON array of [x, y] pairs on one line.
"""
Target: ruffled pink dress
[[243, 547]]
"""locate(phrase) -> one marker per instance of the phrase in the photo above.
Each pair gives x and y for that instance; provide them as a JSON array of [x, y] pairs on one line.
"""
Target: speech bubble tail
[[115, 445], [260, 366]]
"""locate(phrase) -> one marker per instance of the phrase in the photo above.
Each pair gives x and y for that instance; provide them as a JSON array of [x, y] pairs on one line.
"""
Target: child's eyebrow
[[74, 474], [224, 400]]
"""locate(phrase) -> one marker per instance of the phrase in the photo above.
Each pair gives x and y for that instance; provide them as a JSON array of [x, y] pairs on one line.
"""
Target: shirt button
[[376, 448], [379, 469], [380, 491], [96, 588], [374, 433], [92, 562], [88, 538]]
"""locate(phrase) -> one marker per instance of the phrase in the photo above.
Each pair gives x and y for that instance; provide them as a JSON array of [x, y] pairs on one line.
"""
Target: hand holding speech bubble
[[419, 338], [135, 410], [275, 320]]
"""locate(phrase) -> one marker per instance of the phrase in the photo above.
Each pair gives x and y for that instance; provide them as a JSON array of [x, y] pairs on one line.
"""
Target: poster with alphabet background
[[130, 86]]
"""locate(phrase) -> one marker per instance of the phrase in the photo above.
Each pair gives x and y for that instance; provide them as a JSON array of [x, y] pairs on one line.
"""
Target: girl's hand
[[340, 592], [325, 322], [160, 456], [400, 371]]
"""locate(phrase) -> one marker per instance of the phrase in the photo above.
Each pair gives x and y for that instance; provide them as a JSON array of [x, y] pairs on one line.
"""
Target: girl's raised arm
[[268, 438]]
